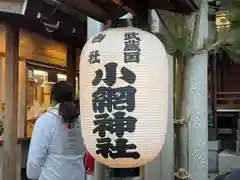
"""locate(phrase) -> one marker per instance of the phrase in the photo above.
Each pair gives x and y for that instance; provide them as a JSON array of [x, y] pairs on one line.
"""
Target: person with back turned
[[56, 149]]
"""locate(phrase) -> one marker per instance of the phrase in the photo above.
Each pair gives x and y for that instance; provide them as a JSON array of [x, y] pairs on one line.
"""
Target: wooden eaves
[[33, 14], [103, 10]]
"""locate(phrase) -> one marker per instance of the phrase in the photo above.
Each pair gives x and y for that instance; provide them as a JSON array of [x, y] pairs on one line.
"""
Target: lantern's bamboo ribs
[[111, 154]]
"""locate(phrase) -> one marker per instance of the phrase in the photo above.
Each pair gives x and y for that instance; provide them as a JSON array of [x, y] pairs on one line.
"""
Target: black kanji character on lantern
[[98, 38], [128, 75], [131, 35], [111, 71], [93, 57], [117, 124], [114, 98], [110, 75], [121, 148], [132, 47], [107, 149], [131, 57], [104, 146]]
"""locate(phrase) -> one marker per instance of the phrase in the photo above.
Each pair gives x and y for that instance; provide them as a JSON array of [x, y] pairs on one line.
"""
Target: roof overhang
[[103, 10], [67, 18], [47, 18], [12, 6], [100, 10]]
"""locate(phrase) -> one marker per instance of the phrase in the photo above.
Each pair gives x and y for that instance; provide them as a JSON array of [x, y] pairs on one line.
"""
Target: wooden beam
[[98, 10], [11, 106], [88, 8], [11, 6], [71, 65]]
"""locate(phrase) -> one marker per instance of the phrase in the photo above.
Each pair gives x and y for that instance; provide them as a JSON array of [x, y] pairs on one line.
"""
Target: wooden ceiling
[[25, 15], [100, 10], [72, 29]]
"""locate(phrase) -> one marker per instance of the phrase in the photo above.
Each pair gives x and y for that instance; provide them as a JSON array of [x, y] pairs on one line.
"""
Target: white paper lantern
[[124, 97]]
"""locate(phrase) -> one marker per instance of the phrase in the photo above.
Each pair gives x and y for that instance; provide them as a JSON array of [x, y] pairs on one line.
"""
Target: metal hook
[[51, 27]]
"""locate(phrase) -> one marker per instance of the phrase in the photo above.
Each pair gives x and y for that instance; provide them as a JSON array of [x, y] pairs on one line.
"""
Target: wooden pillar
[[71, 65], [22, 104], [2, 78], [11, 106]]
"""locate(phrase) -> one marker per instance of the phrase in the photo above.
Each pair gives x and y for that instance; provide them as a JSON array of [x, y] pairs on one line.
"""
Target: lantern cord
[[182, 174]]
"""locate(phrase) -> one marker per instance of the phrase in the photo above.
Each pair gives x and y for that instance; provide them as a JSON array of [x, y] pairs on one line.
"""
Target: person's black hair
[[63, 94]]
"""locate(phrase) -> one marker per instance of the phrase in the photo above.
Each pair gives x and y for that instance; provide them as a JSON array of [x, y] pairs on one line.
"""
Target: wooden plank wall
[[231, 78]]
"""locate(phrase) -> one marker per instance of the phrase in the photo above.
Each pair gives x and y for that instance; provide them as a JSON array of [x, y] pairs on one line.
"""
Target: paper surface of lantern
[[124, 97]]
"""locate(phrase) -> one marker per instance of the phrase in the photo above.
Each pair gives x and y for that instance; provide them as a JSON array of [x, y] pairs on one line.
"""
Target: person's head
[[63, 94]]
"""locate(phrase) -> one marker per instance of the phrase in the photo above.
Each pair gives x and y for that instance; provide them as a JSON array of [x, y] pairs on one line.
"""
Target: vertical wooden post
[[71, 65], [2, 85], [22, 105], [2, 78], [11, 105]]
